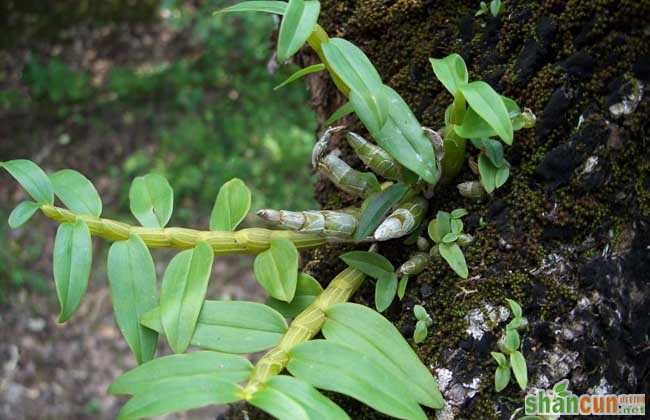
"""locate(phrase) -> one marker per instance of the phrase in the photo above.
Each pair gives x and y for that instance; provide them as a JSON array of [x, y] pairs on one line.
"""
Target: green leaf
[[402, 137], [487, 172], [515, 307], [401, 287], [454, 257], [276, 7], [370, 263], [519, 368], [421, 331], [231, 206], [451, 71], [420, 313], [500, 358], [288, 398], [495, 7], [376, 208], [516, 323], [450, 237], [183, 290], [181, 395], [560, 388], [490, 107], [443, 224], [501, 377], [32, 179], [22, 213], [475, 127], [76, 192], [314, 68], [501, 176], [371, 334], [132, 280], [494, 151], [151, 200], [299, 20], [458, 213], [385, 290], [73, 254], [365, 106], [341, 112], [307, 290], [432, 229], [335, 367], [456, 227], [160, 371], [231, 326], [276, 269], [512, 339]]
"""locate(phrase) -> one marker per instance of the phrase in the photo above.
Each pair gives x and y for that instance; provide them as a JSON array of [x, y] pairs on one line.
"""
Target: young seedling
[[494, 9], [422, 325], [511, 357], [446, 230]]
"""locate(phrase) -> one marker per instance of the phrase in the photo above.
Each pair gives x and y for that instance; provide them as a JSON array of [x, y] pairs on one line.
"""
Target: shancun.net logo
[[560, 401]]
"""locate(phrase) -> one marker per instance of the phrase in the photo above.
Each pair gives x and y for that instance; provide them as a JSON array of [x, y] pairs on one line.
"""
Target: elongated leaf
[[276, 7], [31, 178], [73, 254], [132, 280], [288, 398], [335, 367], [452, 253], [183, 291], [500, 358], [276, 269], [370, 263], [488, 173], [515, 307], [307, 290], [373, 335], [443, 223], [402, 137], [385, 290], [231, 326], [474, 126], [501, 377], [366, 106], [494, 151], [163, 370], [299, 20], [519, 368], [451, 71], [314, 68], [76, 192], [152, 200], [489, 106], [22, 213], [341, 112], [376, 208], [421, 332], [181, 395], [401, 287], [232, 204]]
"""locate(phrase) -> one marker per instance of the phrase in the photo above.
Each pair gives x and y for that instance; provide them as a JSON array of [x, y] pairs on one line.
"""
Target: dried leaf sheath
[[244, 241], [304, 327]]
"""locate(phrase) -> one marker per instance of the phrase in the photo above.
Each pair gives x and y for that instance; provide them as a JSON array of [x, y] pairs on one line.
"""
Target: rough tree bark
[[569, 234]]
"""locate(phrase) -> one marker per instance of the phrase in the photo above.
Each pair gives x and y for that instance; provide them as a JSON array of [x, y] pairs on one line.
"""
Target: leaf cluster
[[446, 230], [511, 358]]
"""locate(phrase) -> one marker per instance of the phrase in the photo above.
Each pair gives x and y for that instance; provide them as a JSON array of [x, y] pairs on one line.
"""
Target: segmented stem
[[244, 241], [304, 327]]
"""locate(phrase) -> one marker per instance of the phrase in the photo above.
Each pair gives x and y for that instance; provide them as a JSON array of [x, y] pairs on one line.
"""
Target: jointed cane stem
[[244, 241], [304, 327]]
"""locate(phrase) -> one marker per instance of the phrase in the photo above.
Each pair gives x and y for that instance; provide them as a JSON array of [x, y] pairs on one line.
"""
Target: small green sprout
[[379, 268], [446, 230], [423, 324], [509, 343], [495, 8]]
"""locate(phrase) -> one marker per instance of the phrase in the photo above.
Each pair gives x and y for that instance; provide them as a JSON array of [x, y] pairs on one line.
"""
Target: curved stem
[[304, 327], [244, 241]]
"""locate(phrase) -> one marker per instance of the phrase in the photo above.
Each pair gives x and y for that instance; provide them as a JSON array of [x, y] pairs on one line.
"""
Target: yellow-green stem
[[244, 241], [304, 327]]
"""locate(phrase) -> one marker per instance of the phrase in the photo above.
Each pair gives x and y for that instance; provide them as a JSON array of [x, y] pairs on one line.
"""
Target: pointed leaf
[[132, 280], [76, 192], [458, 213], [307, 290], [451, 71], [501, 377], [336, 367], [288, 398], [151, 200], [341, 112], [421, 331], [501, 176], [163, 370], [73, 254], [370, 263], [519, 368], [515, 308], [454, 256], [22, 213], [385, 290], [231, 326], [183, 291], [299, 20], [494, 151], [401, 287], [376, 208], [231, 206], [373, 335], [488, 173], [276, 7], [500, 358], [370, 110], [32, 178], [314, 68], [490, 107], [276, 269]]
